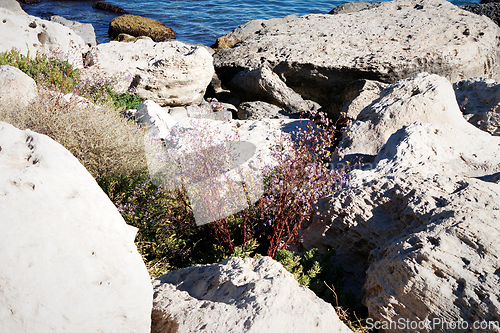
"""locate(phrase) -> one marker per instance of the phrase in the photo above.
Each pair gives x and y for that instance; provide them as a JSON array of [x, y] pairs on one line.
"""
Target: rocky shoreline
[[417, 231]]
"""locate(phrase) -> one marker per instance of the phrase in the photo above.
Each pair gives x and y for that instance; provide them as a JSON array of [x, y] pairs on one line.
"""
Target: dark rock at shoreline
[[140, 26], [351, 7], [109, 7], [29, 2], [491, 10]]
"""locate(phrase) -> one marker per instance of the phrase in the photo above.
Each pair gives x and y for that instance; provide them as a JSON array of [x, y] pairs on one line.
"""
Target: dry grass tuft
[[103, 140]]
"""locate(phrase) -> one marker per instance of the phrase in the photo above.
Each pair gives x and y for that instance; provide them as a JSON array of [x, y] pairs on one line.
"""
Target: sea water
[[194, 21]]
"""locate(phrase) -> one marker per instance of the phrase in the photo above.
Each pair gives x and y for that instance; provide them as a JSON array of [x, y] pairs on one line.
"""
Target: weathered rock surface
[[157, 119], [16, 87], [479, 100], [351, 7], [265, 85], [418, 227], [261, 110], [140, 26], [424, 97], [68, 262], [230, 39], [360, 94], [86, 31], [29, 33], [490, 10], [170, 73], [239, 295], [12, 5], [318, 55], [109, 7]]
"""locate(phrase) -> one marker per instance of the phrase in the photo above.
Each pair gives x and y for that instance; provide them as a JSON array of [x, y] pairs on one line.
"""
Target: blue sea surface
[[194, 21]]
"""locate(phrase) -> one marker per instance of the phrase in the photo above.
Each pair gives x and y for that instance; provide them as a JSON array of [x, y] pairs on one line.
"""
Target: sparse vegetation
[[90, 125], [103, 140], [50, 72]]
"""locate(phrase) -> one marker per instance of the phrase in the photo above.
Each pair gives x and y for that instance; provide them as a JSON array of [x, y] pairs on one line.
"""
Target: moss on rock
[[140, 26]]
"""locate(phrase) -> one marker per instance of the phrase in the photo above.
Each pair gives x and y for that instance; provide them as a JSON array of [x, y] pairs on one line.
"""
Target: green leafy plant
[[50, 71], [126, 100], [304, 269], [317, 272]]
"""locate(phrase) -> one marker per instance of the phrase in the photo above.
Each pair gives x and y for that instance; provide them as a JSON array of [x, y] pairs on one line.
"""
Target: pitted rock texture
[[170, 73], [416, 232], [490, 10], [479, 101], [32, 34], [239, 295], [360, 94], [317, 55]]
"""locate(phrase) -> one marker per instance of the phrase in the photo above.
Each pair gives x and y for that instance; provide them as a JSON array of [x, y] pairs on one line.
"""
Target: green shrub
[[60, 75], [304, 269], [168, 237], [126, 100], [50, 71], [316, 272]]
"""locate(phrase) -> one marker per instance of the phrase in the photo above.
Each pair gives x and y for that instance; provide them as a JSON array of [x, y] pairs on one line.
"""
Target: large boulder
[[417, 228], [16, 87], [68, 260], [239, 295], [318, 55], [265, 85], [169, 73], [479, 101], [86, 31], [109, 7], [32, 34], [140, 26], [424, 97]]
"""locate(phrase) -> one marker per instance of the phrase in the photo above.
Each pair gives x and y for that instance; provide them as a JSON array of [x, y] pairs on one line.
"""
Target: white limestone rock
[[157, 119], [68, 262], [170, 73], [425, 97], [12, 5], [32, 34], [318, 55], [16, 87], [84, 30], [479, 101], [360, 94], [417, 229], [239, 295]]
